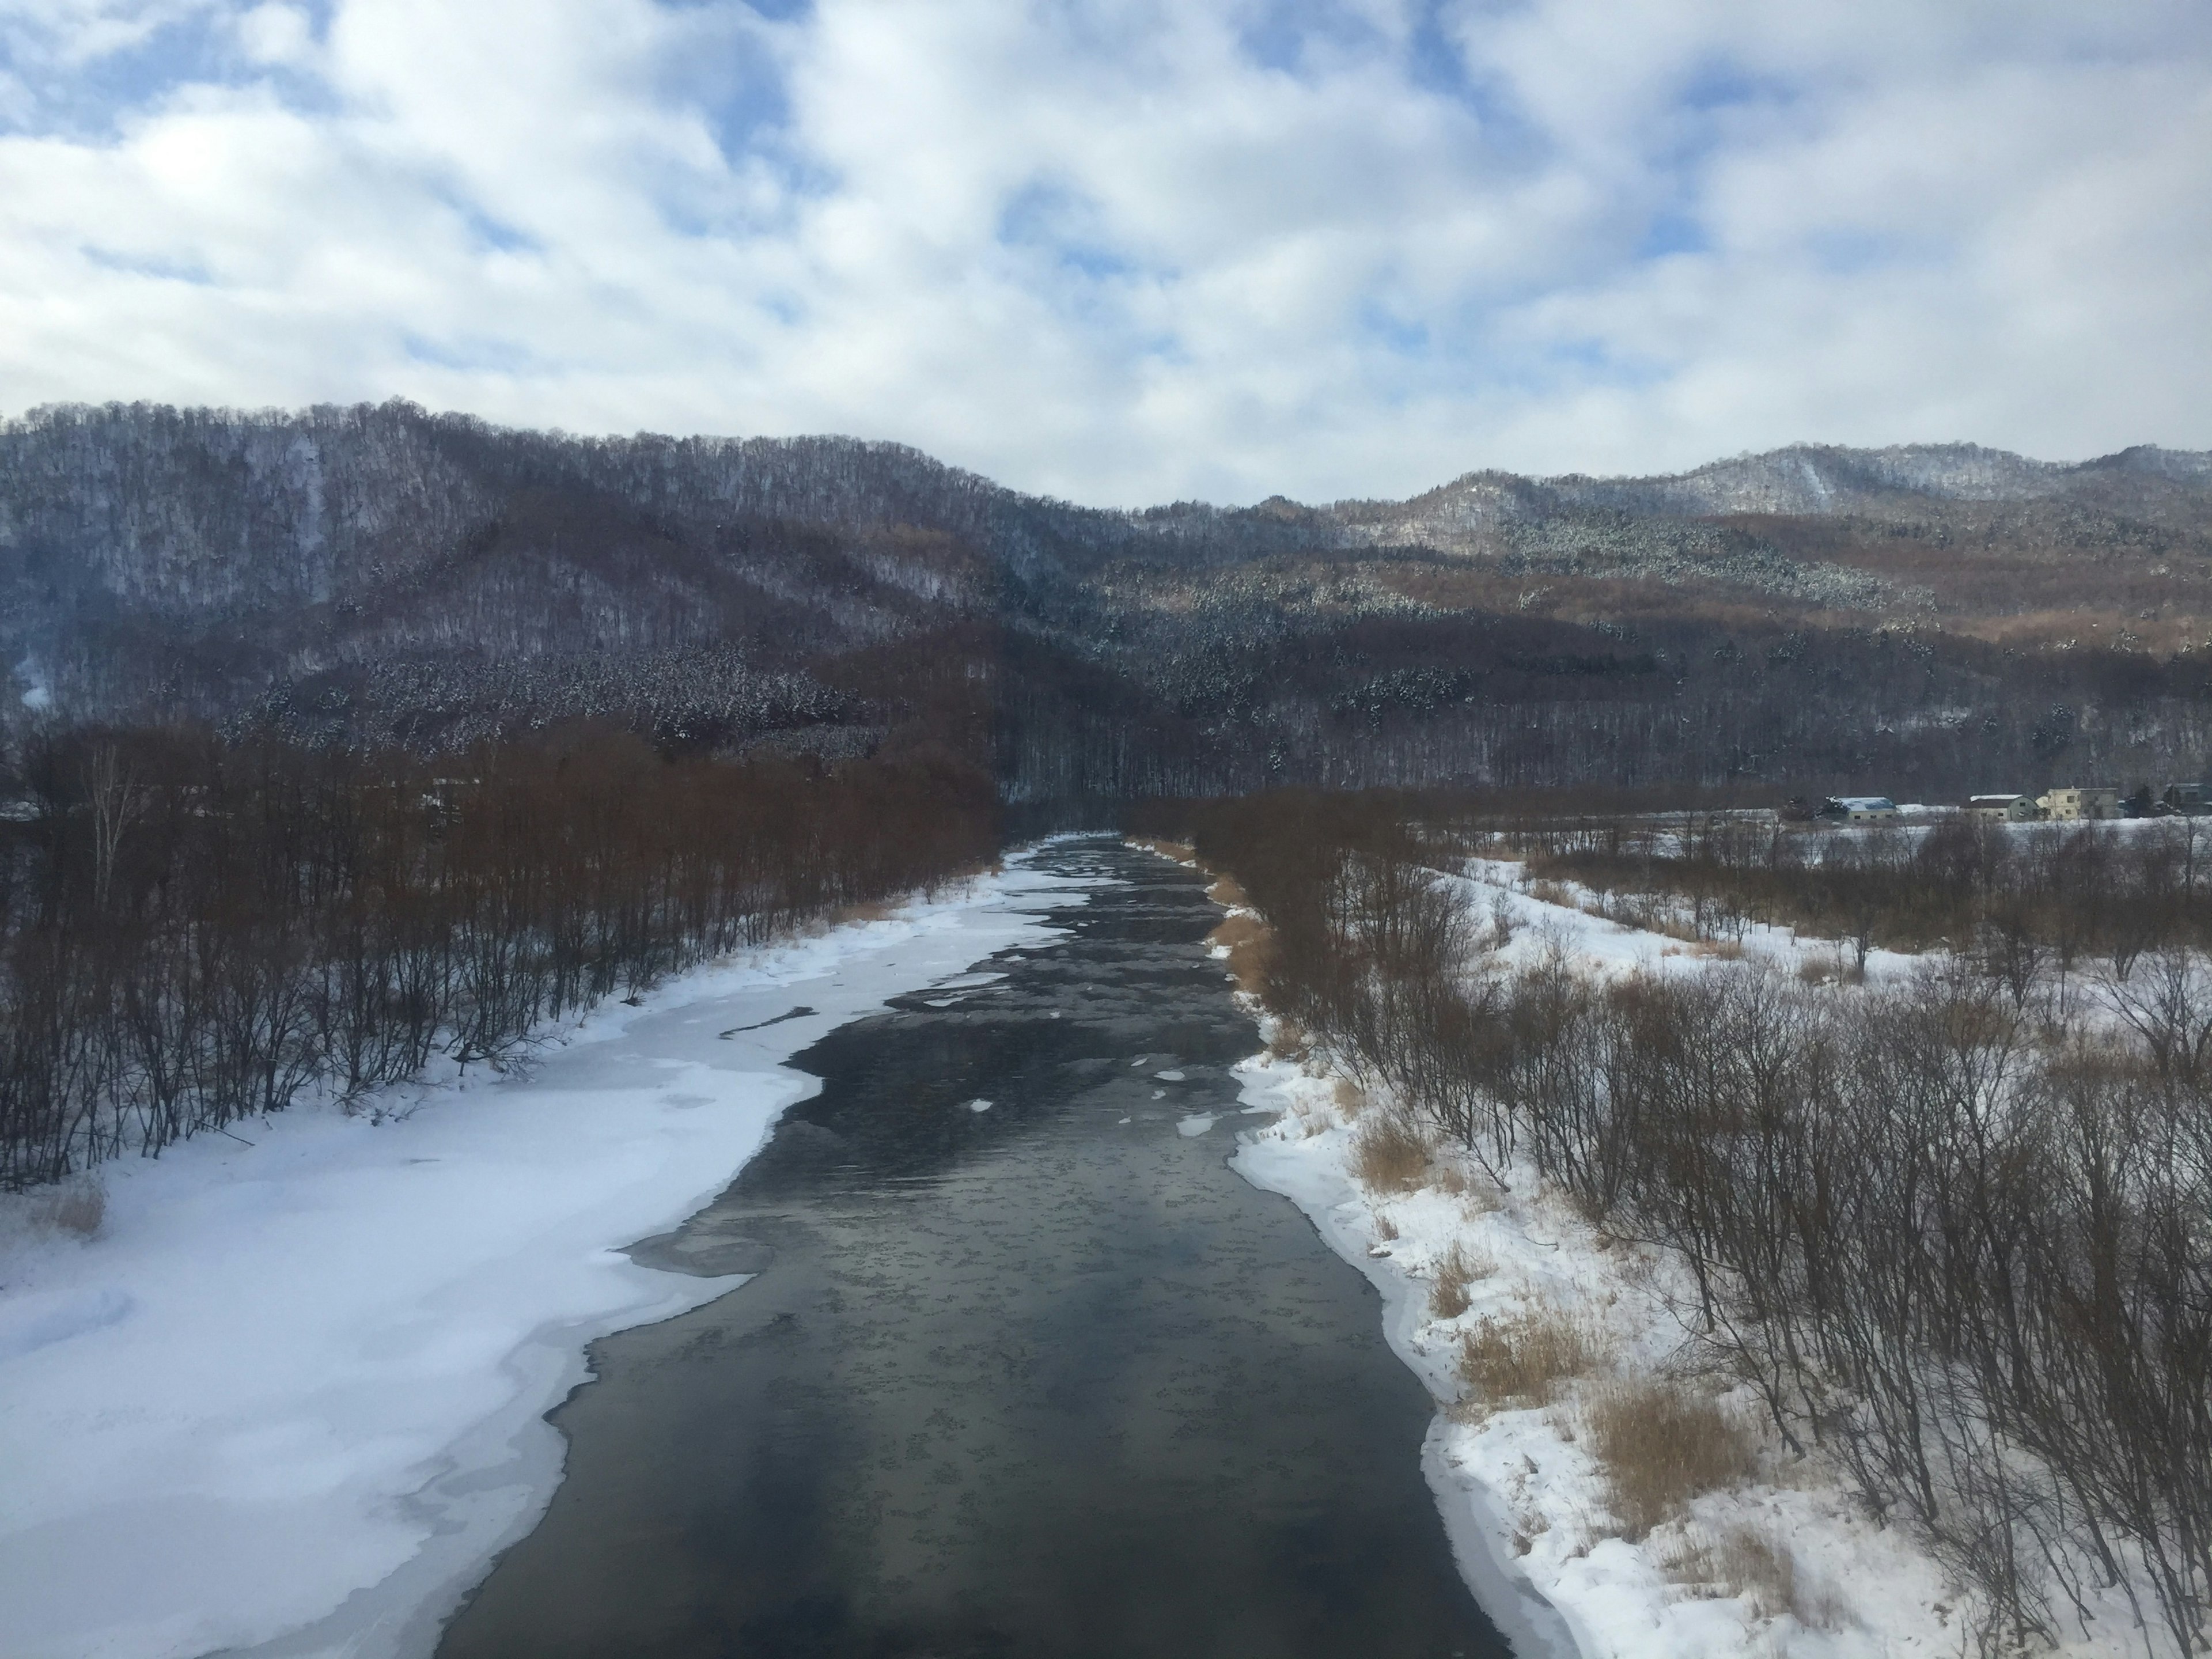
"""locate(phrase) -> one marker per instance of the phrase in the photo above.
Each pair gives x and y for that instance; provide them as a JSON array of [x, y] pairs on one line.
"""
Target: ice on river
[[291, 1399]]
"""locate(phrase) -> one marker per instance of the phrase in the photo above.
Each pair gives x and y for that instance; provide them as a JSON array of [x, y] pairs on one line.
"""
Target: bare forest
[[196, 930], [1954, 1233], [1938, 619]]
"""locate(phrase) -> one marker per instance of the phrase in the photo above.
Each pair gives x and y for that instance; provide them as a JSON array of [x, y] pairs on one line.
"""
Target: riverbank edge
[[1518, 1496], [488, 1480]]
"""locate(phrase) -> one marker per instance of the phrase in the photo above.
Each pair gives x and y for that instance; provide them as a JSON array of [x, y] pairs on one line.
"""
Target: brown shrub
[[873, 910], [1524, 1356], [1225, 890], [1179, 851], [1351, 1099], [1448, 1297], [80, 1207], [1661, 1445], [1762, 1571], [1390, 1155], [1552, 892], [1248, 943]]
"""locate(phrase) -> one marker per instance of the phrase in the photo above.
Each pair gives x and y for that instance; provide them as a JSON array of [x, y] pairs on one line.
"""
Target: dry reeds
[[1288, 1040], [1390, 1154], [1179, 851], [1661, 1445], [80, 1207], [1746, 1562], [1226, 891], [1524, 1356], [1248, 943], [1455, 1270]]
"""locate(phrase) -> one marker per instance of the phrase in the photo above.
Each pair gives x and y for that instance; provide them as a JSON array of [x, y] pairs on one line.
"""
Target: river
[[1027, 1368]]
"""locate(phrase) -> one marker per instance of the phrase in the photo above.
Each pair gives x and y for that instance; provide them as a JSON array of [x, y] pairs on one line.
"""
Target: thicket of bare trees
[[192, 931], [1960, 1239], [2026, 901]]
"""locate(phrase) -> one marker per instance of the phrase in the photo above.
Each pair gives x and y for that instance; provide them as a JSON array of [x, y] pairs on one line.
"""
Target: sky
[[1125, 251]]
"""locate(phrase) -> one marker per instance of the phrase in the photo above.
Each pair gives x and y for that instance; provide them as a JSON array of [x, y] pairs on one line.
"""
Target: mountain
[[1922, 616]]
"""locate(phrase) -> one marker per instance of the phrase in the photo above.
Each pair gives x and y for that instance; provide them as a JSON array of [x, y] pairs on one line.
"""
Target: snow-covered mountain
[[372, 573]]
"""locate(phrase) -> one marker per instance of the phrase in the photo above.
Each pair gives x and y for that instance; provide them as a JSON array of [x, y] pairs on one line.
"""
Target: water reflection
[[1039, 1376]]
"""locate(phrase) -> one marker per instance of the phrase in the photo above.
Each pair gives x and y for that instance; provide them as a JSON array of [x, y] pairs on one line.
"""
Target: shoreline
[[301, 1384]]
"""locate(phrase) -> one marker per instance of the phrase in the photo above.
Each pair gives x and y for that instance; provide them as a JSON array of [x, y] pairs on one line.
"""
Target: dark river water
[[1045, 1379]]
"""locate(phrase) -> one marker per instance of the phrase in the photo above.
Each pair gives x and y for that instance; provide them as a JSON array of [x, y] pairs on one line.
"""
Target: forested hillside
[[1918, 619]]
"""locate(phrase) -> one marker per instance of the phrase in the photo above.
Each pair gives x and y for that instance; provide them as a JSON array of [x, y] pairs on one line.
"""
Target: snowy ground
[[289, 1398], [1526, 1504]]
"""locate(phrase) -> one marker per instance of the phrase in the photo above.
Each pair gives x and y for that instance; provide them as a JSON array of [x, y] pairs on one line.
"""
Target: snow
[[1523, 1502], [290, 1397], [1522, 1499]]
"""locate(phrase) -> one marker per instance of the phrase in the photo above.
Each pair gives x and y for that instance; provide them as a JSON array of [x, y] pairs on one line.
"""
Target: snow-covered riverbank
[[1778, 1557], [1525, 1501], [289, 1399]]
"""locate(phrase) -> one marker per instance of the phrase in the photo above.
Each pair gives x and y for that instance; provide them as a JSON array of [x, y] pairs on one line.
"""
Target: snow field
[[289, 1398]]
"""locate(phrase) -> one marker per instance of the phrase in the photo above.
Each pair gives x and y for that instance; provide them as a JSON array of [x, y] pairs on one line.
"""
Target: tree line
[[1960, 1241], [2025, 901], [194, 931]]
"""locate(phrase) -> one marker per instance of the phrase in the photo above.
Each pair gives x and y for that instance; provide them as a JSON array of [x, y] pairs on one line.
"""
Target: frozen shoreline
[[290, 1400]]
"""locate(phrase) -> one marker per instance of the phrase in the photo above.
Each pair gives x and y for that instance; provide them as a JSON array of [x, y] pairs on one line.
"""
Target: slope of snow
[[290, 1398]]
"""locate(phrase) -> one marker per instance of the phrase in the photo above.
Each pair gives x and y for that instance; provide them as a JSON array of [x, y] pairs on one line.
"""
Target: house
[[2004, 809], [2187, 800], [1859, 809], [2086, 801]]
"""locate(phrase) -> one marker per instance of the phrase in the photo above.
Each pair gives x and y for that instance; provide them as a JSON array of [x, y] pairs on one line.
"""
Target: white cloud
[[1119, 251]]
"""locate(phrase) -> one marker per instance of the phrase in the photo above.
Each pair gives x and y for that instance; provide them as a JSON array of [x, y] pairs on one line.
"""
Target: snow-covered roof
[[1993, 801], [1865, 802]]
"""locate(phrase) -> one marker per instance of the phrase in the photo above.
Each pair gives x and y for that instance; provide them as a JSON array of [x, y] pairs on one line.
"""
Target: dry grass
[[1225, 890], [1385, 1228], [873, 910], [79, 1207], [1450, 1178], [1289, 1041], [1178, 850], [1553, 892], [1349, 1099], [1661, 1445], [1248, 943], [1746, 1562], [1448, 1297], [1525, 1355], [1390, 1154]]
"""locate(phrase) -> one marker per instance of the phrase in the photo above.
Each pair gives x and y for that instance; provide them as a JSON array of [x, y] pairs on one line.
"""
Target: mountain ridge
[[378, 574]]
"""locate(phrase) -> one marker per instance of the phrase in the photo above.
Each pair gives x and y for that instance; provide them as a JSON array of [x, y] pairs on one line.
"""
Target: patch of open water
[[1045, 1379]]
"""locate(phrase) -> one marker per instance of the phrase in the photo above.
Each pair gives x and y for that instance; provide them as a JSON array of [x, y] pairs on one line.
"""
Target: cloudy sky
[[1124, 250]]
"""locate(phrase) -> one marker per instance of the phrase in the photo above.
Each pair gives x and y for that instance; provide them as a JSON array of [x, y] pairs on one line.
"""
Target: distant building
[[2004, 809], [2088, 801], [1859, 809], [2187, 800]]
